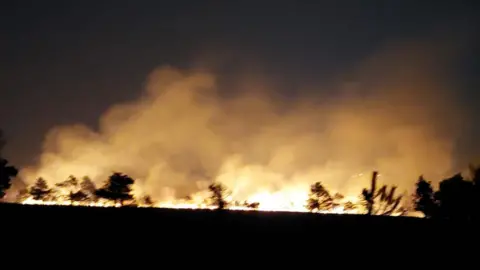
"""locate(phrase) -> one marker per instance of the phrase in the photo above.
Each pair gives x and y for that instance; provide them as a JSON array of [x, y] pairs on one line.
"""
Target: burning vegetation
[[457, 198], [117, 191]]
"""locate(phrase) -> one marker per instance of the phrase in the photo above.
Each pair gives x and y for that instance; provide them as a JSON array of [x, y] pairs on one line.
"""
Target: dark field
[[143, 225]]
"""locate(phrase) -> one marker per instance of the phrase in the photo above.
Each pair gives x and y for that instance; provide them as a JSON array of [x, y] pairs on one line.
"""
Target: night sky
[[66, 62]]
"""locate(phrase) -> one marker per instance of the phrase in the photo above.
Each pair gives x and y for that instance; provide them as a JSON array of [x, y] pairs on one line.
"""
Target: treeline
[[456, 197], [116, 190]]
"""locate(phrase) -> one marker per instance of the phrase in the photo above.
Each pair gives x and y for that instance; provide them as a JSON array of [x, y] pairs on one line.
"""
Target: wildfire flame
[[292, 201], [190, 205]]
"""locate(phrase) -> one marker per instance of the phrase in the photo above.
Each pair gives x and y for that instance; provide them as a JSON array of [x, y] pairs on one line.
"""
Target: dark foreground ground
[[214, 231]]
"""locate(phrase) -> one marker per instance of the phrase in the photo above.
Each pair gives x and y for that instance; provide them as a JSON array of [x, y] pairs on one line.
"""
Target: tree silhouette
[[68, 189], [455, 198], [117, 188], [78, 196], [424, 200], [89, 189], [218, 194], [369, 195], [319, 199], [7, 172], [382, 201], [40, 190]]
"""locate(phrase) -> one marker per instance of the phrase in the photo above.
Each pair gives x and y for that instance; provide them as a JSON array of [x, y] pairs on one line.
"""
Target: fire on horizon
[[179, 136], [393, 107]]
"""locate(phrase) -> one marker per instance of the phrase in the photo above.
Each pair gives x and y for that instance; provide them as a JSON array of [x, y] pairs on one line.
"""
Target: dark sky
[[64, 62]]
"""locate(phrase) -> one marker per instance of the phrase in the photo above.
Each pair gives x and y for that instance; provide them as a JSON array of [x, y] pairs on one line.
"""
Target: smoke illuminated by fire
[[182, 134]]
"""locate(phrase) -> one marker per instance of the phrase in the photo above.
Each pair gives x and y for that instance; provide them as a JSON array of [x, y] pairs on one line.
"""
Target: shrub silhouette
[[218, 194], [319, 199], [251, 205], [349, 206], [147, 200], [382, 201], [388, 204]]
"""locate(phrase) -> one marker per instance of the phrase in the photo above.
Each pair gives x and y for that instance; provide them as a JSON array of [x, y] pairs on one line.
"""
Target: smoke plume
[[395, 114]]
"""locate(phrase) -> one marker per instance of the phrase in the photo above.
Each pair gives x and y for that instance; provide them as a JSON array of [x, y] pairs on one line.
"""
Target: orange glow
[[183, 134], [289, 201]]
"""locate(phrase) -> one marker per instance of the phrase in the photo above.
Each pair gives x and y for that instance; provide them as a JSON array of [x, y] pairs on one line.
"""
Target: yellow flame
[[31, 201], [271, 202]]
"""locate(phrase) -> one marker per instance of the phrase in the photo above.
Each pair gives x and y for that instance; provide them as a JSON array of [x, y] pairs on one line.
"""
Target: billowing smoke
[[394, 115]]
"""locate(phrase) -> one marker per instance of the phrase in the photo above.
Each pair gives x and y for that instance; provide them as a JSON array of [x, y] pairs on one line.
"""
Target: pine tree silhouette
[[40, 190], [117, 188]]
